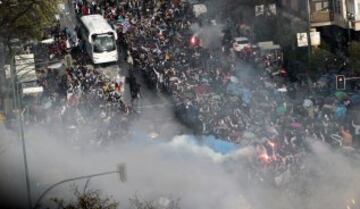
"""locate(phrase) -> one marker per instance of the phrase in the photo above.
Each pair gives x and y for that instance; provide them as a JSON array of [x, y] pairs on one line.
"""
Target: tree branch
[[19, 15]]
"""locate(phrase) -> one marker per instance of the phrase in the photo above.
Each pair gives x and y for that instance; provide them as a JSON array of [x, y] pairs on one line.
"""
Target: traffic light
[[122, 171], [340, 82]]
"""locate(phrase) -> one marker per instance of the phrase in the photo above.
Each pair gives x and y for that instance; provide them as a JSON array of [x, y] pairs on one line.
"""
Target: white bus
[[100, 39]]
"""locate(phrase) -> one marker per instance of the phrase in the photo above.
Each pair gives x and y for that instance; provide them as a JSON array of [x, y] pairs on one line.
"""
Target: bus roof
[[96, 24]]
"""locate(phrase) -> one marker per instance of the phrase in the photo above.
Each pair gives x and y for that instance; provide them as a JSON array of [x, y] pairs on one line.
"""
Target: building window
[[321, 5], [337, 7]]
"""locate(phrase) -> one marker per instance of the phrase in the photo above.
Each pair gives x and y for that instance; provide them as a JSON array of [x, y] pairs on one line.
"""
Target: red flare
[[193, 40], [272, 144], [264, 158]]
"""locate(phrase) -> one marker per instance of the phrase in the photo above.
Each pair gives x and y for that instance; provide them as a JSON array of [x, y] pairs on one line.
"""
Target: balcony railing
[[322, 17]]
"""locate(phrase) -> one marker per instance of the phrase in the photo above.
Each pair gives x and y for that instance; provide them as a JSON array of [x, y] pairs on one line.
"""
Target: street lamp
[[121, 171], [18, 92], [18, 106], [350, 17], [309, 46]]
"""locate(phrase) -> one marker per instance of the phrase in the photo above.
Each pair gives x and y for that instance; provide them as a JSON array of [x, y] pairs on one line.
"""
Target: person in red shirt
[[84, 10]]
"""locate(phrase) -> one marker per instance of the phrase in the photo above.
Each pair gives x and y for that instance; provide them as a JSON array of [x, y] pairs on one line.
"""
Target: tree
[[321, 61], [354, 55], [92, 199], [89, 199], [264, 28], [26, 19], [285, 32], [162, 203]]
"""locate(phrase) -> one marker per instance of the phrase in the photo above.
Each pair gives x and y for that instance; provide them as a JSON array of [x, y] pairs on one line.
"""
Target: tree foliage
[[87, 200], [285, 32], [321, 58], [137, 203], [354, 54], [264, 28], [92, 199], [26, 19]]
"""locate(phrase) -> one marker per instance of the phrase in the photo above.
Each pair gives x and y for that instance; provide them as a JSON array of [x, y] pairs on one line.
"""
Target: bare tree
[[89, 199], [161, 203]]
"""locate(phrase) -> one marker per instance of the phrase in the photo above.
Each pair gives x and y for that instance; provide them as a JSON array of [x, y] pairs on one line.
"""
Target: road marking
[[154, 106]]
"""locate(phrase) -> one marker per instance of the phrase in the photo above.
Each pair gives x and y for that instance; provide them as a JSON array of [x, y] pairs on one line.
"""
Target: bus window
[[103, 43]]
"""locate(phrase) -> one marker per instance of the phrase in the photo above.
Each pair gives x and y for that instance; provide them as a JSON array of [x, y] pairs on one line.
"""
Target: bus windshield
[[103, 43]]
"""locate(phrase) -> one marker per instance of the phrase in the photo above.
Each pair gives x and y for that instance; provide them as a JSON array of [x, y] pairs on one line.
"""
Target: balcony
[[356, 25], [321, 18]]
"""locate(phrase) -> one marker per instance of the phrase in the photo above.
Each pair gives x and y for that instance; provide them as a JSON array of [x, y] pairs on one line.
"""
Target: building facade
[[342, 13]]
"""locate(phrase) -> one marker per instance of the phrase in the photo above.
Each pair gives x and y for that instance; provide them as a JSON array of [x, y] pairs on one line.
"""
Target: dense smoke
[[179, 168], [164, 159]]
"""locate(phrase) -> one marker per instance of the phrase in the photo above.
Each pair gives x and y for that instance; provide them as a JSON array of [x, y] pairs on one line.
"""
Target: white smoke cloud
[[180, 168]]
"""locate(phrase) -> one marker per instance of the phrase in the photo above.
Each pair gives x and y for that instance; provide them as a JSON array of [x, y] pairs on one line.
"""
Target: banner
[[302, 39], [272, 9], [315, 38], [259, 10], [25, 68]]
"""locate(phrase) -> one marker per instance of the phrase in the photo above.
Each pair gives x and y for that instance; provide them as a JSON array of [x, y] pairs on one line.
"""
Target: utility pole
[[308, 20], [21, 118], [18, 107], [2, 76], [350, 17], [308, 28]]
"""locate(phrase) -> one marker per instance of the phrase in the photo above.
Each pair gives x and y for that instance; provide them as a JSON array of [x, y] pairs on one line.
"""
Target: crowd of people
[[81, 95], [222, 94], [233, 96], [75, 95]]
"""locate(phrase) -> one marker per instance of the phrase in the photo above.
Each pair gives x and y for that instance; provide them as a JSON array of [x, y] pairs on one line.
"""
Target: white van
[[241, 43], [100, 39]]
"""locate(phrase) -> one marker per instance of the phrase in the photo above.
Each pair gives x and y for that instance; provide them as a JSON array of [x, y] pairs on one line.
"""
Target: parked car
[[240, 43]]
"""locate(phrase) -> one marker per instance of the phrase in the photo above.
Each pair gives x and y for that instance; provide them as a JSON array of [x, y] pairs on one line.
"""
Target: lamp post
[[309, 47], [308, 27], [17, 87], [121, 171], [17, 97], [350, 17]]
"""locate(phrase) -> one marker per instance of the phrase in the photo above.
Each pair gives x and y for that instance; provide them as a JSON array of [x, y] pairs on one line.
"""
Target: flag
[[126, 25]]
